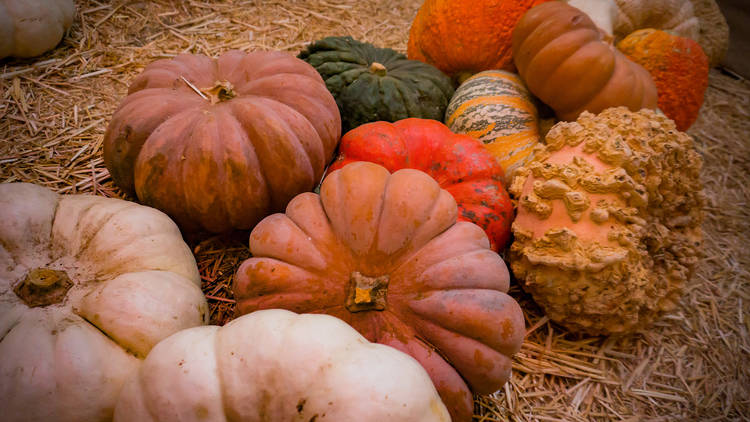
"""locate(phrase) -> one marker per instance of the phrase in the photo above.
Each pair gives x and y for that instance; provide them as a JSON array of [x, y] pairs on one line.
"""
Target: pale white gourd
[[29, 28], [602, 12], [108, 278], [275, 365]]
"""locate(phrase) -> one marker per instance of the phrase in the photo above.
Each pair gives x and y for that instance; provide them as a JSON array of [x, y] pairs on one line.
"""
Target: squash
[[714, 30], [608, 229], [465, 37], [377, 84], [458, 163], [29, 28], [679, 69], [218, 144], [603, 13], [495, 107], [564, 60], [384, 253], [275, 365], [88, 285]]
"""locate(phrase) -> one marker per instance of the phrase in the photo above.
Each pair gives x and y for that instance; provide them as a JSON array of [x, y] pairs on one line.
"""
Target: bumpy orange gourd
[[384, 253], [566, 62], [465, 37], [679, 69]]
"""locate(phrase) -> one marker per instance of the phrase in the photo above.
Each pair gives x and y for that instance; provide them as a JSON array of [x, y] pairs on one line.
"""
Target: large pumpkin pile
[[402, 248]]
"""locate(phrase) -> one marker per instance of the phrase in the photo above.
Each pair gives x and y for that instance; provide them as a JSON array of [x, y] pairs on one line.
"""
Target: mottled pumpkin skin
[[261, 130], [565, 61], [679, 68], [495, 107], [458, 163], [377, 84], [384, 253], [466, 37]]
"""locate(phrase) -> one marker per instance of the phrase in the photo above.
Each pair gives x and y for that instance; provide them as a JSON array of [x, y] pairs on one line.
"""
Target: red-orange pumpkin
[[218, 144], [384, 253], [459, 163]]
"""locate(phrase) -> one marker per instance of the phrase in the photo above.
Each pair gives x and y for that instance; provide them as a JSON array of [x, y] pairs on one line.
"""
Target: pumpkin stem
[[43, 287], [378, 69], [366, 293], [221, 91]]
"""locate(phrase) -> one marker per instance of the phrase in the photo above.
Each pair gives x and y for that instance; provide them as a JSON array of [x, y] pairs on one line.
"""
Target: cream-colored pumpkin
[[108, 278], [604, 13], [275, 365], [29, 28]]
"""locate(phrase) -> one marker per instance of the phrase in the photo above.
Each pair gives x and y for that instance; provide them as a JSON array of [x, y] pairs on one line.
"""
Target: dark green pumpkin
[[373, 84]]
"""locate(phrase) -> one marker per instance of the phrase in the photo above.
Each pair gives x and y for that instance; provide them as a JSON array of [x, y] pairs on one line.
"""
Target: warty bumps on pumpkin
[[384, 253], [608, 226], [218, 144]]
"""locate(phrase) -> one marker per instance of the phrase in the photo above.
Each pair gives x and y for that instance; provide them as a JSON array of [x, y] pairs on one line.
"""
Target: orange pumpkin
[[565, 61], [679, 68], [384, 253], [464, 37]]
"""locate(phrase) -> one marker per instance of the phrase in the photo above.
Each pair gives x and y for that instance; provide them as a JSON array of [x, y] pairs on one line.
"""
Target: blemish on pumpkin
[[301, 405]]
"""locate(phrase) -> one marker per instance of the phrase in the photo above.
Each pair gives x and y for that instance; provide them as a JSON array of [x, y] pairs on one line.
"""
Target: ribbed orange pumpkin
[[564, 60], [679, 68], [218, 144], [466, 36], [384, 253]]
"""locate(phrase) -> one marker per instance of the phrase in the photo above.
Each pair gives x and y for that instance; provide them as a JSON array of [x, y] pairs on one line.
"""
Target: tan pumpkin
[[565, 61], [608, 229], [218, 144], [275, 365], [495, 107], [384, 253], [675, 16], [88, 285], [29, 28]]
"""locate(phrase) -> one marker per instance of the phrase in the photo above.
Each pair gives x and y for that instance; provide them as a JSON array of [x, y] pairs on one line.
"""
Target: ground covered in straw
[[692, 365]]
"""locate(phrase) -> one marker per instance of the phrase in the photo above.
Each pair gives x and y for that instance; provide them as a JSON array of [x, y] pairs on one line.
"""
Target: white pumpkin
[[29, 28], [275, 365], [604, 13], [88, 285]]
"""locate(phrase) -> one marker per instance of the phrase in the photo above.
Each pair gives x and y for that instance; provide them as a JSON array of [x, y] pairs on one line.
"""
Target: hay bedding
[[692, 365]]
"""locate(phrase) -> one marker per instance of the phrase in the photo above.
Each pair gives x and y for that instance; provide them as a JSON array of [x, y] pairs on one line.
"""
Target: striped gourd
[[495, 107]]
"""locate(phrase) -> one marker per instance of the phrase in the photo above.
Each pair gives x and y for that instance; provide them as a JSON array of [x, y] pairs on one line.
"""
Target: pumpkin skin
[[458, 163], [495, 107], [120, 279], [679, 69], [609, 218], [466, 37], [263, 133], [385, 254], [377, 84], [564, 60], [29, 28], [275, 365]]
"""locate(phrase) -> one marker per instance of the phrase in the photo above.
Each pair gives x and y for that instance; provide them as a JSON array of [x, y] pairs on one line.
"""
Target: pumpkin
[[377, 84], [675, 16], [564, 60], [458, 163], [275, 365], [603, 13], [29, 28], [495, 107], [714, 30], [465, 37], [218, 144], [384, 253], [679, 69], [88, 285], [608, 228]]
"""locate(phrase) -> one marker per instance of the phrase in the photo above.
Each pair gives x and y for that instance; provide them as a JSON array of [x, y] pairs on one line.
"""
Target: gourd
[[275, 365], [377, 84], [218, 144], [458, 163], [88, 285], [384, 253], [565, 61], [465, 37], [679, 69], [29, 28], [608, 226], [675, 16], [495, 107], [604, 13]]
